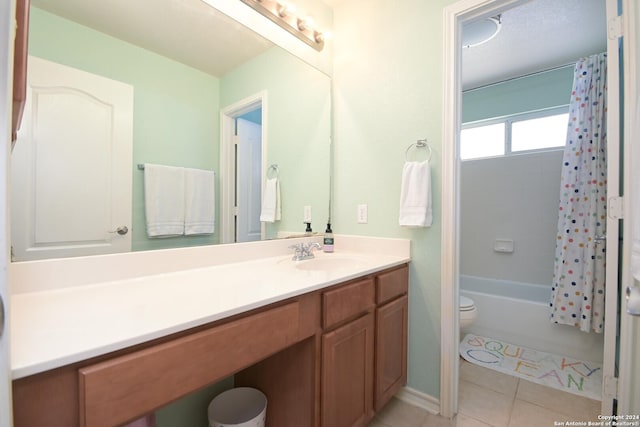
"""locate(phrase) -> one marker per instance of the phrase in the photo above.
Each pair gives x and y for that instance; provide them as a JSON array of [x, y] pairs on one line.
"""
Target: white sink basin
[[331, 263]]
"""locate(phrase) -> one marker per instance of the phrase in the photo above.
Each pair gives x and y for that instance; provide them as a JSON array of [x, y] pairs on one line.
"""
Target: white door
[[248, 181], [71, 166]]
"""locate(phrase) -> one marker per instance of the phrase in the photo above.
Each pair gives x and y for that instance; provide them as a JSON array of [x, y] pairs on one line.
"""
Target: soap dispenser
[[328, 239], [308, 231]]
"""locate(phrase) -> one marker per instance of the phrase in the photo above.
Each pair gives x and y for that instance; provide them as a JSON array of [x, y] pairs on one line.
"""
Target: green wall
[[387, 94], [298, 133], [175, 106], [536, 92], [191, 410]]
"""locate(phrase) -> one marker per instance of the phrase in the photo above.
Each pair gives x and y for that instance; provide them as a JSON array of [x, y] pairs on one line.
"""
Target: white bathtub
[[519, 313]]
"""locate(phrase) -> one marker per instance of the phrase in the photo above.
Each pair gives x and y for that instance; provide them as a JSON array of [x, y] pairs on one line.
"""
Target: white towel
[[415, 195], [164, 200], [200, 207], [271, 209]]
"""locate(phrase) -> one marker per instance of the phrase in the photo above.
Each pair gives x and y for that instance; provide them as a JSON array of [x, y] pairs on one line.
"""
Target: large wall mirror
[[167, 75]]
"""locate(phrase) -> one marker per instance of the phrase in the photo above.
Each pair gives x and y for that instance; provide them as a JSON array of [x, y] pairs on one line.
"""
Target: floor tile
[[463, 420], [488, 378], [484, 405], [433, 420], [377, 423], [575, 407], [525, 414], [401, 414]]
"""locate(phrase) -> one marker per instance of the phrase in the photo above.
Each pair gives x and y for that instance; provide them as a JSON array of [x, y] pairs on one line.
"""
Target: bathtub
[[519, 314]]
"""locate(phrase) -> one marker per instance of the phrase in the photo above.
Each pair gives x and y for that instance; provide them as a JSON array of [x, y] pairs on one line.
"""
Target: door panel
[[391, 350], [71, 167], [347, 374], [249, 181]]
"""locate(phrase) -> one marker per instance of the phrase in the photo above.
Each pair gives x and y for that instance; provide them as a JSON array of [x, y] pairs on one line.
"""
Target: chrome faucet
[[302, 251]]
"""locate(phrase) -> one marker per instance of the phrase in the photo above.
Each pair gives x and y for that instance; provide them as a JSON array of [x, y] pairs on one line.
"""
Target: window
[[540, 130], [482, 141]]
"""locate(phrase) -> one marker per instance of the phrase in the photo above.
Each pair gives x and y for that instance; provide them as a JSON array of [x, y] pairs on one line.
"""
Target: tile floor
[[490, 398]]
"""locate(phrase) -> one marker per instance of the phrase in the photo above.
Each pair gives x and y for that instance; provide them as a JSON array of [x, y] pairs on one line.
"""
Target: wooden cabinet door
[[347, 374], [391, 350]]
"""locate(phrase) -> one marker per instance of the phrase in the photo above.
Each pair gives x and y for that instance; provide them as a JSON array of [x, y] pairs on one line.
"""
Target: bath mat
[[565, 373]]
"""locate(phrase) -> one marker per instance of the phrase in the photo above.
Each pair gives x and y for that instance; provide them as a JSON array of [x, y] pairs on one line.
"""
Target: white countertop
[[55, 327]]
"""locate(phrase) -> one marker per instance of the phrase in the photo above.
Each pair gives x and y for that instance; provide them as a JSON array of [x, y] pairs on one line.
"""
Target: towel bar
[[274, 167], [421, 143]]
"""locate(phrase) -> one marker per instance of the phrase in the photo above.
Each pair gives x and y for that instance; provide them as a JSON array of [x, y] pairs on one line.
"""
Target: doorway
[[455, 16], [242, 169]]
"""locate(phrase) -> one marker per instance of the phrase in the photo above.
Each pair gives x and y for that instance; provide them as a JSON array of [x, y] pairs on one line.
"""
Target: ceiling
[[188, 31], [536, 36]]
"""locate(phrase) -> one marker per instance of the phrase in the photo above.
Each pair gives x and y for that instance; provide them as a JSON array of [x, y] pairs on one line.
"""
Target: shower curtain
[[579, 270]]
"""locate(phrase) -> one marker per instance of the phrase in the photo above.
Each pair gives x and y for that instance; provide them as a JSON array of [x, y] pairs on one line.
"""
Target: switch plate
[[363, 214], [503, 246], [307, 213]]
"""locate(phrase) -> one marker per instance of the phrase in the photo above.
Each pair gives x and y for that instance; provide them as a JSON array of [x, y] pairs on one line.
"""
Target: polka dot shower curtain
[[579, 271]]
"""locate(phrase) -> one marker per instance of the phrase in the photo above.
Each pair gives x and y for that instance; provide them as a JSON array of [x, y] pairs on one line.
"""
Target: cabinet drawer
[[392, 284], [346, 302], [119, 390]]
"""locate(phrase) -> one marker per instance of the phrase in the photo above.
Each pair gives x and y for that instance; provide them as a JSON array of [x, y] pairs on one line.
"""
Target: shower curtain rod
[[572, 64]]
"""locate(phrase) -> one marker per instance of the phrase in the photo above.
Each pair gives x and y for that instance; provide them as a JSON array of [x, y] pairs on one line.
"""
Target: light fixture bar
[[281, 14]]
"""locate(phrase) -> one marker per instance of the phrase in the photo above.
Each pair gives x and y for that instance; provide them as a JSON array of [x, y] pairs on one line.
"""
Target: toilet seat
[[467, 312], [466, 304]]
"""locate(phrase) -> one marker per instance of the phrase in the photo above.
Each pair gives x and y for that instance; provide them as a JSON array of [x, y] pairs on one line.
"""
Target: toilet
[[468, 312]]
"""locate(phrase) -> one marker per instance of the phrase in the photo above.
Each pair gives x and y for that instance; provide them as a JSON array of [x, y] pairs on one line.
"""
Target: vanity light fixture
[[481, 31], [283, 14]]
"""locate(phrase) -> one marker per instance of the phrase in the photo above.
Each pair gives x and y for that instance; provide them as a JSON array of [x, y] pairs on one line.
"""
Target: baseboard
[[420, 399]]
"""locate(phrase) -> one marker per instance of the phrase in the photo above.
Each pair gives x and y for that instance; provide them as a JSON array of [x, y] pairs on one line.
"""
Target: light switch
[[363, 214]]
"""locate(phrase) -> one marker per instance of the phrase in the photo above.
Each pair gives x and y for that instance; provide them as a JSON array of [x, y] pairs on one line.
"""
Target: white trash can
[[238, 407]]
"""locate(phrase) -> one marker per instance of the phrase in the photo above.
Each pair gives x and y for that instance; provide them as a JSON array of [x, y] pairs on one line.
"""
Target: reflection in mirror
[[170, 86]]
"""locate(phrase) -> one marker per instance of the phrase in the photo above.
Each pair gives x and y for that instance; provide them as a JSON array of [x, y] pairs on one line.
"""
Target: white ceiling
[[537, 36], [188, 31]]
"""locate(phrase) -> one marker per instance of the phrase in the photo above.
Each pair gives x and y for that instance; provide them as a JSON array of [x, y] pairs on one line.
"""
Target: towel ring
[[421, 143], [275, 169]]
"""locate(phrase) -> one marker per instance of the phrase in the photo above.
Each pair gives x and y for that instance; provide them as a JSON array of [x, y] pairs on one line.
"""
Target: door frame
[[7, 14], [628, 386], [454, 16], [228, 161], [612, 254]]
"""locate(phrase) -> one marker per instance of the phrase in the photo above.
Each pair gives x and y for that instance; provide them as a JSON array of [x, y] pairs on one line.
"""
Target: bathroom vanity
[[328, 351]]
